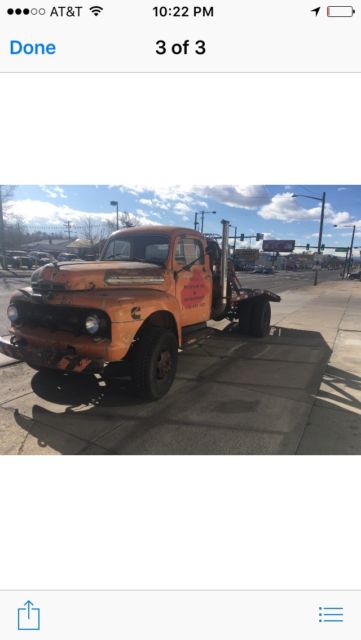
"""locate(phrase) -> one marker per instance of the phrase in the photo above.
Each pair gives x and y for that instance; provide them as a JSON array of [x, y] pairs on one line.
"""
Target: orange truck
[[151, 288]]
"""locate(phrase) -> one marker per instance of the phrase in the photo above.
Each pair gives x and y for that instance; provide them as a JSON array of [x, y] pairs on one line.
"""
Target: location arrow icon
[[316, 10]]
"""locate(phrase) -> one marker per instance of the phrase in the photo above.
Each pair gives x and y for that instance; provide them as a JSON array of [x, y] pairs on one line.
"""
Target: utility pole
[[345, 264], [202, 214], [235, 240], [320, 232], [2, 233], [67, 226], [323, 201], [351, 247]]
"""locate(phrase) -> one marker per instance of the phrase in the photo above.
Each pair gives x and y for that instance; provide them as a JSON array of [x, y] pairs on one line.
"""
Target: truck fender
[[168, 317]]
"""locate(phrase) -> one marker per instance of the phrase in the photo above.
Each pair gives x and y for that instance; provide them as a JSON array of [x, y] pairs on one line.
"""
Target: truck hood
[[86, 276]]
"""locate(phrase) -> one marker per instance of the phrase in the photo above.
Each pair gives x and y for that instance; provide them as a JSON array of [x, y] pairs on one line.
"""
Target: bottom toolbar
[[180, 615]]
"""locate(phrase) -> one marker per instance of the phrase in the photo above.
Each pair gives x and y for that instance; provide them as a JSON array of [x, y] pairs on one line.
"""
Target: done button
[[29, 48]]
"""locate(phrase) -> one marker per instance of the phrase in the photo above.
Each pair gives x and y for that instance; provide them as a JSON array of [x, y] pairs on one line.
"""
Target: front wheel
[[154, 363], [260, 318]]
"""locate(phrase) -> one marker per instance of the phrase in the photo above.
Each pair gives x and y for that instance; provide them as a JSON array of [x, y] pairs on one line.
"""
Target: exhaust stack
[[224, 260]]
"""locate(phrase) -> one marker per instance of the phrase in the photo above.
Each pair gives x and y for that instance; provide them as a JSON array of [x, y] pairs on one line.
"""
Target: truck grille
[[61, 318], [44, 286]]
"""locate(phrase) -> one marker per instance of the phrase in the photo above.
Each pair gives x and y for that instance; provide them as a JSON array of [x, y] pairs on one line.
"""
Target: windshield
[[142, 248]]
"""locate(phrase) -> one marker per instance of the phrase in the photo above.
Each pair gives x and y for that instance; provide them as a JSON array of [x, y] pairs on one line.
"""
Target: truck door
[[194, 283]]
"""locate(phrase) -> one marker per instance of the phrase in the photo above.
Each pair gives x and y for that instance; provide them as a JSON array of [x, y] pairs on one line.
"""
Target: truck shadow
[[231, 396], [73, 390]]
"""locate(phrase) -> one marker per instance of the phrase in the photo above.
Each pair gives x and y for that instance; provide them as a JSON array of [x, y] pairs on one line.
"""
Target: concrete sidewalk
[[334, 425], [232, 395]]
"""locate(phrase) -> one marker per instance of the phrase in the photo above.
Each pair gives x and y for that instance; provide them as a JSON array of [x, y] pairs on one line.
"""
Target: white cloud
[[341, 217], [181, 208], [54, 192], [40, 214], [324, 235], [288, 209], [245, 197]]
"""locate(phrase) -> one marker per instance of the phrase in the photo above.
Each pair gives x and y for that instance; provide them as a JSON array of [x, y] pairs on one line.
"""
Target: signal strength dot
[[96, 10]]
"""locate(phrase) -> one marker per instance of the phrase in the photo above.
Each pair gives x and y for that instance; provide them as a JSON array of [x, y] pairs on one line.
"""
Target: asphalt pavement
[[286, 280]]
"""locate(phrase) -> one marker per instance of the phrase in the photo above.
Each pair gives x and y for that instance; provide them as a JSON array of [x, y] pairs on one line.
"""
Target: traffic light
[[259, 236], [242, 237], [307, 247]]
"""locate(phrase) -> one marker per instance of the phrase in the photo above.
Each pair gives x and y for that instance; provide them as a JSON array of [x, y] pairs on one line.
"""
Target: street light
[[114, 203], [202, 214], [323, 201], [353, 227]]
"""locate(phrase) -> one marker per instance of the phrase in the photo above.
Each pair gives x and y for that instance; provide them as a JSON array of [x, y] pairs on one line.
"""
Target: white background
[[150, 522]]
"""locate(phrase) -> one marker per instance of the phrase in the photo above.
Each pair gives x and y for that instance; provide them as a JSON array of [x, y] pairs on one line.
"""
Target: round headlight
[[13, 313], [92, 324]]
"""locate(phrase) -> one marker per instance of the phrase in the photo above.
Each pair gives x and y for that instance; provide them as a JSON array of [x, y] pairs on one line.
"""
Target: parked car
[[68, 257], [18, 260], [40, 258], [263, 270]]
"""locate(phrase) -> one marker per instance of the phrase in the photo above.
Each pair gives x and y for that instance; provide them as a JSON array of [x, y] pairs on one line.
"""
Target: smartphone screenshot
[[180, 265]]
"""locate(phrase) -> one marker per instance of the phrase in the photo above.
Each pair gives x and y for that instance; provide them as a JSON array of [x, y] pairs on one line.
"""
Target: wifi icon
[[96, 10]]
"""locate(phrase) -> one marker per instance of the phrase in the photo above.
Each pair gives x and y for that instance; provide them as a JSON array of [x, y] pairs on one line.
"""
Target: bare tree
[[111, 225], [126, 220], [6, 193], [15, 232], [129, 220], [91, 231]]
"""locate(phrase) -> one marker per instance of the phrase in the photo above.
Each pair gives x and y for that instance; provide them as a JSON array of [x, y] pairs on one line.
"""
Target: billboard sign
[[248, 255], [278, 245]]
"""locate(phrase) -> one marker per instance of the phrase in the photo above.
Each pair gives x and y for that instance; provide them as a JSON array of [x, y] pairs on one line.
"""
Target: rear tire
[[154, 363], [260, 318], [244, 318]]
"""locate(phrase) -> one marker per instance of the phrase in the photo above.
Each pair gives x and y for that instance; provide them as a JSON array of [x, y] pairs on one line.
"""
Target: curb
[[13, 274], [7, 362]]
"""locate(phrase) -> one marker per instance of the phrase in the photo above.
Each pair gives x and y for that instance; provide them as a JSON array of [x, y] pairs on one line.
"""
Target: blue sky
[[265, 209]]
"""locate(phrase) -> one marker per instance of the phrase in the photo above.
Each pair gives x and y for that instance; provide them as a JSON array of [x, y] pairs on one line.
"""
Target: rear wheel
[[260, 318], [244, 317], [154, 363]]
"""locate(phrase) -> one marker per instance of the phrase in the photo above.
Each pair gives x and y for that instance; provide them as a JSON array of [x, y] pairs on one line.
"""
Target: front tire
[[154, 363], [260, 318]]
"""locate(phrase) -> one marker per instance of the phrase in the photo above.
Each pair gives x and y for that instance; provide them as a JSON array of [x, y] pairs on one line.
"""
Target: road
[[286, 280]]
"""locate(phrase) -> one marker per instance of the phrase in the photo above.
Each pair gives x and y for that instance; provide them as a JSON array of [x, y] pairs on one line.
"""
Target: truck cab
[[151, 286]]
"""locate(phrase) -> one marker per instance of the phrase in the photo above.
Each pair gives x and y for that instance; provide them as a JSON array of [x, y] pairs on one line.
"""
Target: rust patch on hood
[[73, 276]]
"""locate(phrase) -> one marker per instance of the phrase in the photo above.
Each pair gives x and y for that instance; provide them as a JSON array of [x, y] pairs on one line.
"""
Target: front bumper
[[52, 358]]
